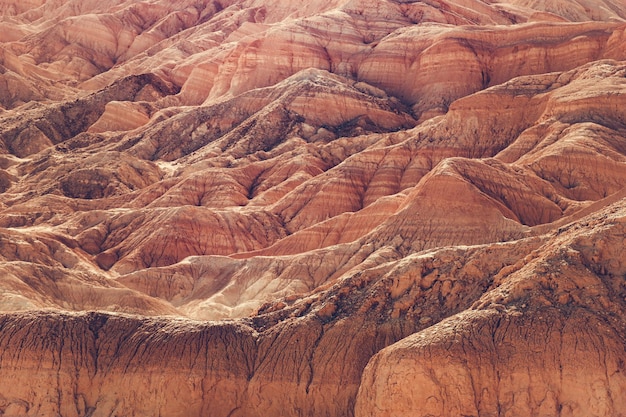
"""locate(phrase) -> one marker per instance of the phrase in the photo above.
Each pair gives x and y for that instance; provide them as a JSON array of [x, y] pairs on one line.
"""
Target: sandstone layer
[[338, 208]]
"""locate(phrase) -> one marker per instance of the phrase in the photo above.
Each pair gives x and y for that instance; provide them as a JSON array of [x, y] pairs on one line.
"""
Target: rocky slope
[[343, 208]]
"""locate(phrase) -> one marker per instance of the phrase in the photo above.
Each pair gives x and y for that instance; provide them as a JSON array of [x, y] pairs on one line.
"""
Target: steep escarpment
[[339, 328], [89, 359], [458, 303], [338, 208], [533, 345]]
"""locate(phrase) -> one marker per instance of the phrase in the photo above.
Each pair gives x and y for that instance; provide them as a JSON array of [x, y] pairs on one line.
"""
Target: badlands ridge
[[328, 208]]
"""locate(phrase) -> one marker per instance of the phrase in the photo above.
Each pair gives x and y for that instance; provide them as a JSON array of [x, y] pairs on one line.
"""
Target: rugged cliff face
[[339, 208]]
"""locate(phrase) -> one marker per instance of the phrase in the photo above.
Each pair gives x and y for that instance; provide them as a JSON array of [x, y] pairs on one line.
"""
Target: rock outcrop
[[338, 208], [548, 339]]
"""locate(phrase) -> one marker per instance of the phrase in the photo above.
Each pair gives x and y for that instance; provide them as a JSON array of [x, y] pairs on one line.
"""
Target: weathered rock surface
[[338, 208], [548, 339]]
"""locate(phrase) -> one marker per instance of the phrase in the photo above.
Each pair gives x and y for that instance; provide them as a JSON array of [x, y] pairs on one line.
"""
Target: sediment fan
[[338, 208]]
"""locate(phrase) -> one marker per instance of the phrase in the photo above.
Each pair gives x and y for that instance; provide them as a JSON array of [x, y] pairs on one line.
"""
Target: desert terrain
[[363, 208]]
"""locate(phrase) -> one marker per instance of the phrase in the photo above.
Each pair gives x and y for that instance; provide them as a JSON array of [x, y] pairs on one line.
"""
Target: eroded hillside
[[357, 207]]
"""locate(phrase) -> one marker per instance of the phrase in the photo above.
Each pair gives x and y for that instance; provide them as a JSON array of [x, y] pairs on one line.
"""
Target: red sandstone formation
[[338, 208]]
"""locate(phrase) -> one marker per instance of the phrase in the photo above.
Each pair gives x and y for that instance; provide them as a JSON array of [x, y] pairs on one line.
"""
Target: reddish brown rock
[[338, 208], [119, 116], [533, 345]]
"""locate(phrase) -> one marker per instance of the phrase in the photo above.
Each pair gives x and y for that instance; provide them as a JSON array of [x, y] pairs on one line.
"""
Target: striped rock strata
[[342, 208]]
